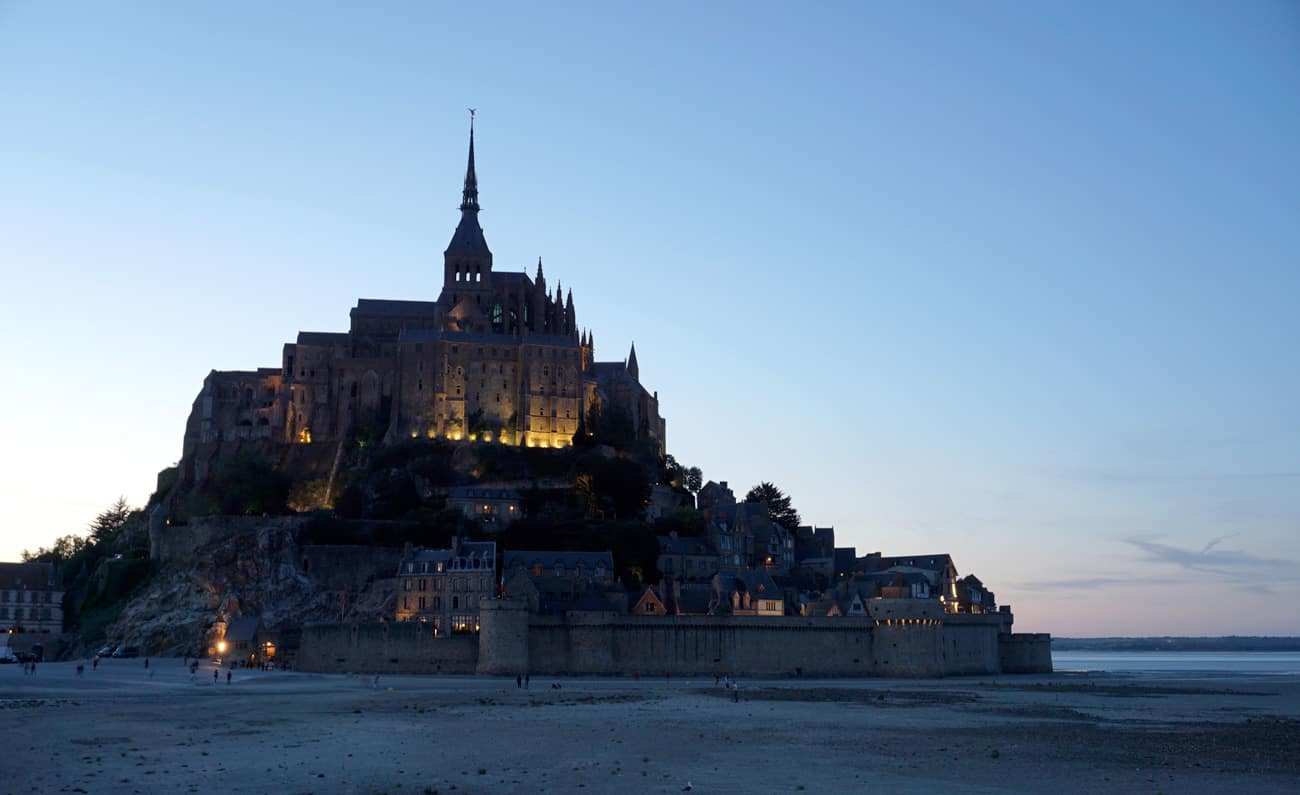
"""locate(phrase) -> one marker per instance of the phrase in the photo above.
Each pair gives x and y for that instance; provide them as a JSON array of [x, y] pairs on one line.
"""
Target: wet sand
[[122, 730]]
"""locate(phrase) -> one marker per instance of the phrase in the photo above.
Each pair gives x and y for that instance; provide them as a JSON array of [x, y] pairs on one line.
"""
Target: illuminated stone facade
[[496, 358], [444, 587]]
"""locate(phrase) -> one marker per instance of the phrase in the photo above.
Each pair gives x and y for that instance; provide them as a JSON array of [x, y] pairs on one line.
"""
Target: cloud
[[1234, 568], [1232, 564], [1090, 583]]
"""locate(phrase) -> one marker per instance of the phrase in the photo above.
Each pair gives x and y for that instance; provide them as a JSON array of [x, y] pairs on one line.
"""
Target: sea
[[1276, 663]]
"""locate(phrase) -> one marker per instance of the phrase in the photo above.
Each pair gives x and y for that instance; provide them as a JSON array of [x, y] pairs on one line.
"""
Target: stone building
[[444, 587], [30, 598], [494, 508], [499, 357]]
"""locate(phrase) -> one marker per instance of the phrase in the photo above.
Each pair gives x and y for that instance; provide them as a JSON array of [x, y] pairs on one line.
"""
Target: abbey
[[496, 358]]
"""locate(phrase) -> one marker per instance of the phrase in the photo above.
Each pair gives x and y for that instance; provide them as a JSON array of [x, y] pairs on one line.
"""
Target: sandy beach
[[125, 729]]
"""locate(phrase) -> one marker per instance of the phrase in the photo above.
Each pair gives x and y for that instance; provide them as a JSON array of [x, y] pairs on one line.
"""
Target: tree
[[694, 480], [106, 526], [779, 509], [61, 552]]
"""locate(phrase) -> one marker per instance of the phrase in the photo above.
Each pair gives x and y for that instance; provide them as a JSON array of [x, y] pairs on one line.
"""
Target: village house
[[554, 582], [444, 586], [747, 592], [687, 559], [30, 598], [495, 509]]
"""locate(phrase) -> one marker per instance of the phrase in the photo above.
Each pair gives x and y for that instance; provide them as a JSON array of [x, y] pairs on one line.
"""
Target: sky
[[1015, 281]]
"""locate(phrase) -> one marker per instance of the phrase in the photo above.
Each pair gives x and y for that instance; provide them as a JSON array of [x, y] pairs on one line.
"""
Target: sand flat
[[124, 729]]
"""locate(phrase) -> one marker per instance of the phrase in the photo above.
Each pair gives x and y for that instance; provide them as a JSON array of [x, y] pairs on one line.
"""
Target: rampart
[[908, 640], [1026, 653], [406, 647]]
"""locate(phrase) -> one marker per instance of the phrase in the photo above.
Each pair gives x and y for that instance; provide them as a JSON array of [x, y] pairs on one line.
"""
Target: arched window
[[497, 315]]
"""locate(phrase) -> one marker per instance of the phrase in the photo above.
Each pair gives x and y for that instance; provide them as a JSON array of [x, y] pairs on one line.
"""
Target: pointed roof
[[632, 367], [468, 238], [569, 301], [540, 278]]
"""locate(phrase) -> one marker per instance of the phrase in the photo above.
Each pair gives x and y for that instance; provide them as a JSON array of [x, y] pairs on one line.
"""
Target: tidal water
[[1281, 663]]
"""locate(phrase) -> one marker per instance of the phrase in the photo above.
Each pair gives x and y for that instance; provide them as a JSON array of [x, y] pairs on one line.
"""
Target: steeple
[[540, 278], [467, 254], [469, 195], [632, 368]]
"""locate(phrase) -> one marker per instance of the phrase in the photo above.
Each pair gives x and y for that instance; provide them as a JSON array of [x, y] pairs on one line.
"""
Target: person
[[146, 663], [214, 676], [228, 675], [81, 669], [715, 680], [526, 681], [519, 681], [735, 693]]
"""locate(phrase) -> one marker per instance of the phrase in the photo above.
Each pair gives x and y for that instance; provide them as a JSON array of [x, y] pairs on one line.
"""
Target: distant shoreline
[[1227, 643]]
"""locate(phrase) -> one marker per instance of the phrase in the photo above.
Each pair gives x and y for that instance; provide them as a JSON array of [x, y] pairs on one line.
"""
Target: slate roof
[[685, 546], [468, 237], [548, 558], [243, 629], [694, 600], [383, 306], [928, 562], [26, 576], [469, 550], [324, 339]]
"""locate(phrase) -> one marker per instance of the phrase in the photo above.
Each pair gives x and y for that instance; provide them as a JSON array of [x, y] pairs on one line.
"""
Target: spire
[[469, 196], [632, 368], [467, 241], [569, 301], [540, 278]]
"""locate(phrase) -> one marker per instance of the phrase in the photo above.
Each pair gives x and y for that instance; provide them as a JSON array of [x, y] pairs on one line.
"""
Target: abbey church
[[497, 358]]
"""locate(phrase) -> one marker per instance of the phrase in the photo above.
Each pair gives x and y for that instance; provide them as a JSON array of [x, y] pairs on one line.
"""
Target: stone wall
[[913, 643], [1026, 653], [408, 647]]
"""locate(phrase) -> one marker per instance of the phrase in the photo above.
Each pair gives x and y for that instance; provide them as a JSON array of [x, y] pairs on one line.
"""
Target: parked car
[[126, 651], [7, 656], [105, 651]]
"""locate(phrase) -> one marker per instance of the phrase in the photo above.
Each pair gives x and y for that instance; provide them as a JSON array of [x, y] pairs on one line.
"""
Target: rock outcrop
[[244, 567]]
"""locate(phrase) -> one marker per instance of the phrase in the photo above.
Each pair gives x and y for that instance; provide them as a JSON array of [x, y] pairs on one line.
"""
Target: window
[[455, 602], [421, 602], [423, 583]]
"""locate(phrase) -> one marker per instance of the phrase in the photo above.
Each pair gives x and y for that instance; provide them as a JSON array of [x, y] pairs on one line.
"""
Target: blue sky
[[1014, 281]]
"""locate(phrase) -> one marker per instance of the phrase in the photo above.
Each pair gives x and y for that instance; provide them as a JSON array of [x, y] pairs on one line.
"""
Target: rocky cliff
[[243, 567]]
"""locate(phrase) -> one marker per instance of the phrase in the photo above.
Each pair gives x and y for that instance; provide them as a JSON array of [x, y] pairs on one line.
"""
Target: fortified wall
[[899, 638]]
